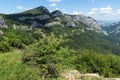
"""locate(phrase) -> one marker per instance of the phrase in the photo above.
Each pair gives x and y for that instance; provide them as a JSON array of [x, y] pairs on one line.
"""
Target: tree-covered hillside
[[42, 45]]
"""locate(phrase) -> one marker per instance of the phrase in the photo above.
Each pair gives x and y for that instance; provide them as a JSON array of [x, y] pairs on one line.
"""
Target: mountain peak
[[43, 9], [57, 13], [38, 10]]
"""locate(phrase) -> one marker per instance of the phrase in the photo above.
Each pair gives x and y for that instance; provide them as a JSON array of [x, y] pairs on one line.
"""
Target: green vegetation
[[12, 68], [107, 65], [47, 59], [85, 39], [16, 39], [44, 55], [50, 59]]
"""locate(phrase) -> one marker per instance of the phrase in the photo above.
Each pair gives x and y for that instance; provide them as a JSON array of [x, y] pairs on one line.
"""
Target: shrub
[[92, 62], [48, 56], [4, 47]]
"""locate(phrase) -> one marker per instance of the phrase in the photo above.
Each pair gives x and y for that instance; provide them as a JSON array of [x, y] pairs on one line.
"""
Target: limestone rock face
[[76, 75], [1, 32], [52, 24], [45, 18], [57, 13], [2, 23], [70, 24], [34, 25], [88, 21]]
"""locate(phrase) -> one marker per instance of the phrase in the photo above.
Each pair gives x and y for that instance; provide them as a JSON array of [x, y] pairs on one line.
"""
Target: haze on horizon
[[98, 9]]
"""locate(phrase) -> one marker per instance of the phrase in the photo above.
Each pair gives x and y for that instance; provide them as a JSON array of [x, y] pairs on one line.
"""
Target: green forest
[[34, 55]]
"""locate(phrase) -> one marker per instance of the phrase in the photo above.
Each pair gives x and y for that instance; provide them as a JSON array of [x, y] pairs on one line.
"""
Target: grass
[[12, 68]]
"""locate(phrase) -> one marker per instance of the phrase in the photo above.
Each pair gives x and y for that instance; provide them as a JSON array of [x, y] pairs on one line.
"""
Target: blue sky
[[98, 9]]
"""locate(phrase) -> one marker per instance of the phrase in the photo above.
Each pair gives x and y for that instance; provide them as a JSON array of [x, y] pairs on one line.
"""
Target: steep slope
[[83, 32], [41, 17], [112, 28], [114, 31], [2, 22]]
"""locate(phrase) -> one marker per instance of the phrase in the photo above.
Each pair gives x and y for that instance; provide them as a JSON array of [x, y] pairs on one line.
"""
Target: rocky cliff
[[2, 23], [42, 17]]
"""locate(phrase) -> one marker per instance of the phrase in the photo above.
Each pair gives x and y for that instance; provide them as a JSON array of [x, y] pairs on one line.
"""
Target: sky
[[98, 9]]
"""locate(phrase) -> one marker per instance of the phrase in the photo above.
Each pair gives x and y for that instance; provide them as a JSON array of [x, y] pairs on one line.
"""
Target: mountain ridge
[[42, 17], [83, 32]]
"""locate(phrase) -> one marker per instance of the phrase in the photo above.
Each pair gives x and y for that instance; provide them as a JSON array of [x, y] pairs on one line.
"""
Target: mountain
[[42, 17], [112, 28], [41, 45], [2, 23], [83, 32], [113, 31], [105, 22]]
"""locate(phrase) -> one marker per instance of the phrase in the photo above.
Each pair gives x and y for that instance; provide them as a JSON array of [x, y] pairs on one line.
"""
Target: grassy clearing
[[12, 68]]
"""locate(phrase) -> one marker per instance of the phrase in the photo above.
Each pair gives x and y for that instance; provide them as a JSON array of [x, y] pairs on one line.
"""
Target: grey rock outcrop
[[46, 19], [56, 13], [70, 24], [35, 25], [52, 24], [88, 21], [2, 23], [1, 32]]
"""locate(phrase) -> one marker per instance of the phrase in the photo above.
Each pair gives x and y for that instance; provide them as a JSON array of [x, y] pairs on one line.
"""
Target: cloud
[[56, 8], [105, 10], [118, 11], [22, 8], [76, 12], [53, 5], [54, 1], [92, 11], [101, 11]]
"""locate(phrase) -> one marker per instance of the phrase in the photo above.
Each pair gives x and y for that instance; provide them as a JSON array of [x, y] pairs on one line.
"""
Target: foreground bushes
[[107, 65], [46, 56], [50, 59], [4, 46]]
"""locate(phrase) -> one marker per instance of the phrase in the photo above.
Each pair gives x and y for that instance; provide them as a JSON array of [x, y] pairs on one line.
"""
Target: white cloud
[[105, 10], [76, 12], [118, 11], [56, 8], [54, 1], [101, 11], [22, 8], [92, 11], [53, 5]]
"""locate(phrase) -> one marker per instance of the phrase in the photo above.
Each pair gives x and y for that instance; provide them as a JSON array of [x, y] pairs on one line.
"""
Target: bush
[[48, 56], [4, 47], [107, 65], [16, 43]]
